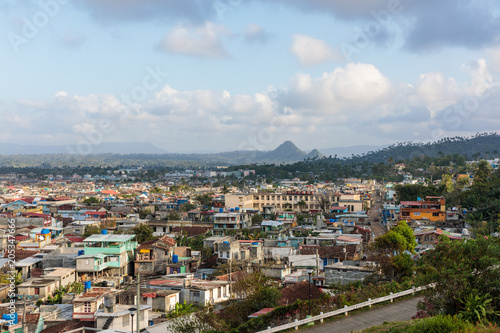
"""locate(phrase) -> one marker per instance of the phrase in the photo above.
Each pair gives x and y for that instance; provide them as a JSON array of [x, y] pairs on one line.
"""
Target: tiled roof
[[32, 318], [68, 326], [168, 240], [298, 291], [191, 231], [22, 254]]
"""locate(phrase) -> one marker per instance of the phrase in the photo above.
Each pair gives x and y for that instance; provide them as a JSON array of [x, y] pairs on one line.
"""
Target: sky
[[223, 75]]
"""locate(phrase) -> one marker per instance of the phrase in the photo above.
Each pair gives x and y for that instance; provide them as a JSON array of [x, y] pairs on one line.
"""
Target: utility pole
[[317, 262], [24, 314], [138, 302], [230, 278]]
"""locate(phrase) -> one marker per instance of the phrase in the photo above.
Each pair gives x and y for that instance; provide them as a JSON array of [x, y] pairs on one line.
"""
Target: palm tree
[[302, 204]]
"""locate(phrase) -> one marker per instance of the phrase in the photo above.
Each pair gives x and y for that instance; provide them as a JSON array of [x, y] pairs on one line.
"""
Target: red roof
[[95, 213], [298, 291], [111, 192], [36, 215], [76, 239], [261, 312], [62, 198], [411, 203], [168, 240]]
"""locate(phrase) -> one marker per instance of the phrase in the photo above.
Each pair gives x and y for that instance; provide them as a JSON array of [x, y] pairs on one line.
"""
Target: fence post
[[369, 305], [321, 320], [296, 327], [413, 290], [347, 312], [392, 299]]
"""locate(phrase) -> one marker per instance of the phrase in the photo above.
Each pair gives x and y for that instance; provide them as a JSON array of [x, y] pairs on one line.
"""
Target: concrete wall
[[345, 275], [23, 222]]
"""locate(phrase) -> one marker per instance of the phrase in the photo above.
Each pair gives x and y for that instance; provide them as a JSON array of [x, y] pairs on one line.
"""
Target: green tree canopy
[[463, 271], [143, 233]]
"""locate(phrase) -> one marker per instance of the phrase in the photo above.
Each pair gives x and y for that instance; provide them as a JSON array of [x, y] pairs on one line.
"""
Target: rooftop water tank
[[45, 231], [221, 210], [81, 252], [104, 232], [11, 318], [87, 285], [175, 258]]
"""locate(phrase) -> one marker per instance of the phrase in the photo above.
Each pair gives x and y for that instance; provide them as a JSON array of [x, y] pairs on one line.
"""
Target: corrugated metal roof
[[108, 238]]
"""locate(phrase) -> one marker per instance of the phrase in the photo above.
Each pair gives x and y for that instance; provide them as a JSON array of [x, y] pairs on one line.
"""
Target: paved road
[[375, 212], [399, 311]]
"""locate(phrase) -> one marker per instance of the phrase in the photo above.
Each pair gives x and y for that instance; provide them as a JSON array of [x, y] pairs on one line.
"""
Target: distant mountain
[[286, 152], [315, 154], [103, 148], [349, 151], [484, 145], [112, 154], [145, 153]]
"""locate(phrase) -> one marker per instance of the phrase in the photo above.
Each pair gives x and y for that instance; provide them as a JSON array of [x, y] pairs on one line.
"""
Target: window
[[435, 214], [416, 213], [87, 307]]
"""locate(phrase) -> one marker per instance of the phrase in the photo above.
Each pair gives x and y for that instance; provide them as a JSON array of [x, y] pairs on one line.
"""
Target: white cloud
[[197, 41], [353, 102], [351, 88], [494, 59], [311, 51], [435, 91]]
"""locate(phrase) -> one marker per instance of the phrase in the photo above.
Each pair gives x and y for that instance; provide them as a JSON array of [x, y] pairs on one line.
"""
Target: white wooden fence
[[345, 310]]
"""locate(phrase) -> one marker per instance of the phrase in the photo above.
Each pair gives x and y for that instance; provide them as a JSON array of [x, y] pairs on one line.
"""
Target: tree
[[393, 251], [463, 272], [91, 230], [143, 213], [257, 219], [173, 216], [91, 201], [225, 189], [302, 204], [204, 199], [185, 207], [143, 233]]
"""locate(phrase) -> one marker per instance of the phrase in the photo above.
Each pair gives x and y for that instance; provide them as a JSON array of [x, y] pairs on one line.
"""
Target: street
[[399, 311], [375, 213]]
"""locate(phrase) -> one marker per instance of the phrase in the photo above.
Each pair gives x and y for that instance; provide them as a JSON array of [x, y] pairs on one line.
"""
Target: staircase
[[108, 323]]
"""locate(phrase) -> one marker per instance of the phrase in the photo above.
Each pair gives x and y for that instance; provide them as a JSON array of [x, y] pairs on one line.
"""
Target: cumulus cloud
[[435, 91], [255, 34], [353, 87], [312, 51], [355, 102], [197, 41]]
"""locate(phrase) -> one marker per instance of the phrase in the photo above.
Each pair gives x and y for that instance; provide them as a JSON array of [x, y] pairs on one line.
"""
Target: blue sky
[[234, 74]]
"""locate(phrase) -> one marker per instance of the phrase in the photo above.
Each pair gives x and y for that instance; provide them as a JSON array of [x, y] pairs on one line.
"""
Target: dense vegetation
[[379, 164], [481, 200]]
